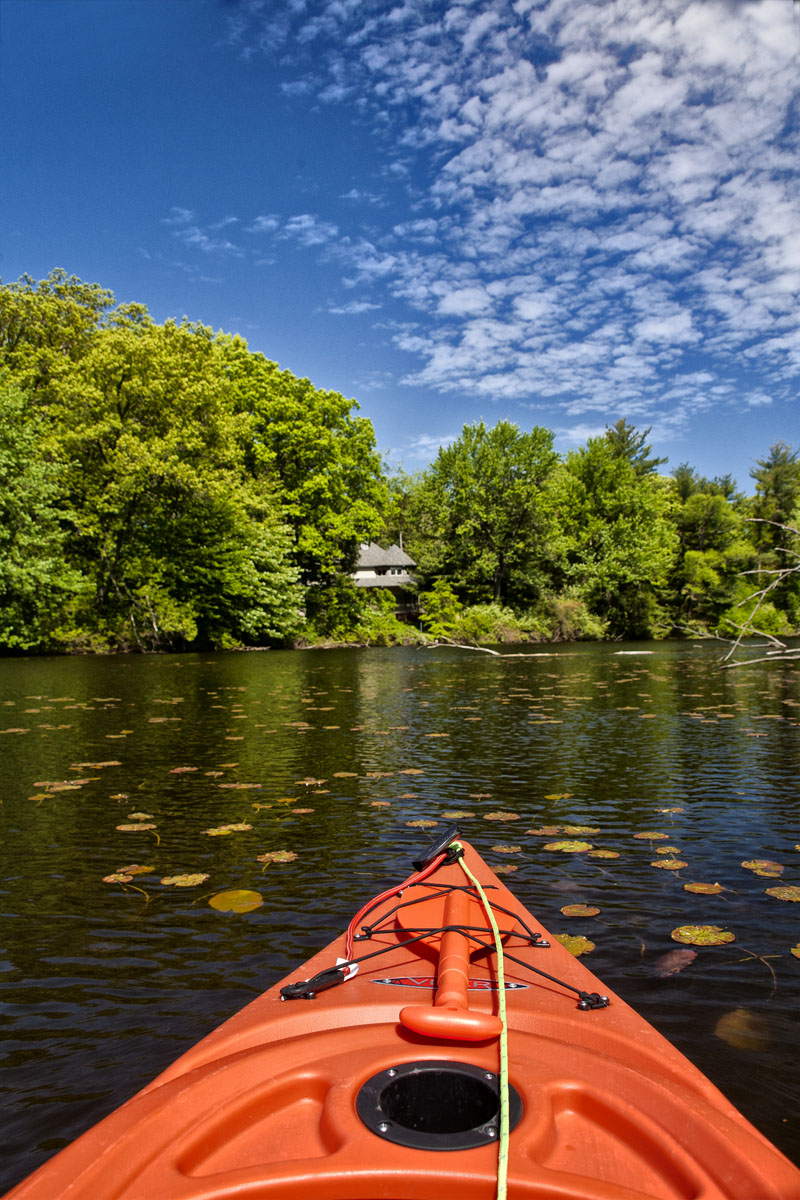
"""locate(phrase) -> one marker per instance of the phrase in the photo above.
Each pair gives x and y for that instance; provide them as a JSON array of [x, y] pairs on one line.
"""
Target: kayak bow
[[390, 1085]]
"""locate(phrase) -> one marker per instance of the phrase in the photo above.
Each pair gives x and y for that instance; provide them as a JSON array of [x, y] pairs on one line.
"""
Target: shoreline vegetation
[[163, 488]]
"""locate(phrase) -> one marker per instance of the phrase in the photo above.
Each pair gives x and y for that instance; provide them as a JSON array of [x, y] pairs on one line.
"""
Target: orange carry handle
[[450, 1015]]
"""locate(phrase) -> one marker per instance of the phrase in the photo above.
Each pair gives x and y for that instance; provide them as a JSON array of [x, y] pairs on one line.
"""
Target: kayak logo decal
[[428, 981]]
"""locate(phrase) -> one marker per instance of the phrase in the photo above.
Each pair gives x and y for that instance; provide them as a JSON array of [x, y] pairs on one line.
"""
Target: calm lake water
[[105, 983]]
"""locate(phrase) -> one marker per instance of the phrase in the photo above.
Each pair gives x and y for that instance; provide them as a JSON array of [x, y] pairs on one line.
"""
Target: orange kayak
[[377, 1070]]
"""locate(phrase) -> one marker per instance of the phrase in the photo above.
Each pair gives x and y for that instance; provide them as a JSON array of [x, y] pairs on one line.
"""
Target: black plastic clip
[[306, 989], [590, 1000], [438, 847]]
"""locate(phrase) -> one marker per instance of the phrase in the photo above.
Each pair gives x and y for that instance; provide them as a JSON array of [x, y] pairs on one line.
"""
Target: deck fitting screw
[[491, 1131], [384, 1126], [488, 1075], [391, 1072]]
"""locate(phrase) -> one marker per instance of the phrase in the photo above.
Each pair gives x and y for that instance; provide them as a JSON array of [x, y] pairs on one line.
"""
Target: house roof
[[373, 555]]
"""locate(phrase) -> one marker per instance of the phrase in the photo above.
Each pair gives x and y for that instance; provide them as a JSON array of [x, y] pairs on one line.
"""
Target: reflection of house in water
[[379, 568]]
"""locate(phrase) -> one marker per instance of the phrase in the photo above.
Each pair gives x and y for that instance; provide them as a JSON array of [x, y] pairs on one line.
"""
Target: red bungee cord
[[417, 877]]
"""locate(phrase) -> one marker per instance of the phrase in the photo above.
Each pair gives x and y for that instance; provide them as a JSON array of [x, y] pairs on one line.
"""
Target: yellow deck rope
[[503, 1132]]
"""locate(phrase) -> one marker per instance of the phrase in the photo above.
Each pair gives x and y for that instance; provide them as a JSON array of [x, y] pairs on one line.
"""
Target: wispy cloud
[[603, 210]]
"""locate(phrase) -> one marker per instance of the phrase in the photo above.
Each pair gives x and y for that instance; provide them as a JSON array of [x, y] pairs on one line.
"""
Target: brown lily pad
[[669, 864], [764, 866], [785, 893], [580, 910], [704, 889], [184, 880]]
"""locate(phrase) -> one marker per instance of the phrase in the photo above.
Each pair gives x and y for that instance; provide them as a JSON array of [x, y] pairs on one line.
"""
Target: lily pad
[[702, 935], [669, 864], [559, 796], [545, 831], [704, 889], [575, 945], [137, 828], [117, 877], [795, 950], [673, 961], [580, 910], [505, 868], [651, 835], [458, 814], [277, 856], [784, 893], [763, 866], [421, 824], [603, 854], [139, 816], [501, 816], [569, 847], [184, 880], [237, 900], [572, 830], [222, 830], [507, 849], [743, 1029], [136, 869]]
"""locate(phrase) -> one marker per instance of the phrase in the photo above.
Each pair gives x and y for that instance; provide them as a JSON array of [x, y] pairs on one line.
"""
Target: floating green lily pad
[[137, 828], [575, 829], [136, 869], [575, 945], [704, 889], [277, 856], [569, 847], [507, 849], [501, 816], [458, 814], [421, 824], [784, 893], [580, 910], [184, 880], [651, 835], [669, 864], [702, 935], [117, 877], [603, 854], [237, 900], [559, 796], [795, 950], [505, 868], [545, 831]]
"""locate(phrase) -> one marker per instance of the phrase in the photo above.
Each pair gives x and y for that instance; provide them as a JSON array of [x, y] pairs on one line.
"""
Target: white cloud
[[607, 193]]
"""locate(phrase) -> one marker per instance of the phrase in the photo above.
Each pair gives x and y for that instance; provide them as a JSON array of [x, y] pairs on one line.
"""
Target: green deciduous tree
[[620, 540], [35, 582], [482, 517], [180, 542], [319, 454]]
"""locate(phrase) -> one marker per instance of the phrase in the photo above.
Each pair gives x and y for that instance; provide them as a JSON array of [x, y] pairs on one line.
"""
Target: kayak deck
[[340, 1096]]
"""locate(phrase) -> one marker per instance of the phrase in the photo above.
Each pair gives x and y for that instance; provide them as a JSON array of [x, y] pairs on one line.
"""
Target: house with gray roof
[[392, 569]]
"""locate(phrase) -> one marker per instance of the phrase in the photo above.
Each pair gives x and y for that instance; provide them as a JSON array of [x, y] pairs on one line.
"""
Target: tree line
[[162, 486]]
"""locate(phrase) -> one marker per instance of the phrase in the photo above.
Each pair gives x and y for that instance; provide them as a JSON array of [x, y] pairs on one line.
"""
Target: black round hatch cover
[[434, 1104]]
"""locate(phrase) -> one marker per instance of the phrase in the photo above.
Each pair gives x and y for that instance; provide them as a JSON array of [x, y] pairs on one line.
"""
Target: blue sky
[[557, 212]]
